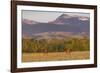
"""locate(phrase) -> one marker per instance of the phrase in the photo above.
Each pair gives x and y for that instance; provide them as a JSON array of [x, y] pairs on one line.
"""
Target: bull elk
[[67, 50], [45, 50]]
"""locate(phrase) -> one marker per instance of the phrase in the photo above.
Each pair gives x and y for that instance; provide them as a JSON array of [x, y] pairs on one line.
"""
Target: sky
[[44, 16]]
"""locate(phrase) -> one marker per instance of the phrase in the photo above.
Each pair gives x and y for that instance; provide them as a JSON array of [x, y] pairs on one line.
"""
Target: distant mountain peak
[[69, 19], [30, 22], [65, 16]]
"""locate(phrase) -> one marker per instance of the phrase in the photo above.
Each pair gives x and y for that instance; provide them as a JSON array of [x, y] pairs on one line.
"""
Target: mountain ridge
[[74, 24]]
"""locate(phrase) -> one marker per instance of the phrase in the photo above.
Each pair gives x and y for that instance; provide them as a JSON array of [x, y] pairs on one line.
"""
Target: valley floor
[[55, 56]]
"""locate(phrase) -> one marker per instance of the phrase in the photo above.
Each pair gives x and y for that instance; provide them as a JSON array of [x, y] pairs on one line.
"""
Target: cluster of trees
[[55, 45]]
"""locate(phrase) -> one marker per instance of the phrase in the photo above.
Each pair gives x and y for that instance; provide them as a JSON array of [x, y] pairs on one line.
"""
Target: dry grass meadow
[[55, 56]]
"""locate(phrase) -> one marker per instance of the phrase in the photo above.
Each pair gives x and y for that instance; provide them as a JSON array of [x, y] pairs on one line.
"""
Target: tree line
[[54, 45]]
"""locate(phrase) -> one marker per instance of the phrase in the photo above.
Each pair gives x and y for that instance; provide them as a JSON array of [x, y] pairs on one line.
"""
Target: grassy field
[[55, 56]]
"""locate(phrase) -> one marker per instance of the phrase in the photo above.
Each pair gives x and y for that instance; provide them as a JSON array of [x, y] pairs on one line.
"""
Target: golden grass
[[55, 56]]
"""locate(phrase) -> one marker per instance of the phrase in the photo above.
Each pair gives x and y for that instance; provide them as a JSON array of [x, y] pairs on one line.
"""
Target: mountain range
[[64, 25]]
